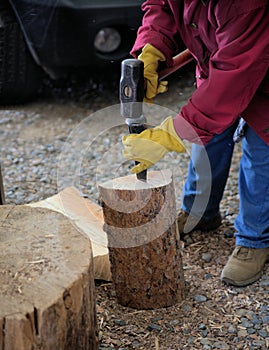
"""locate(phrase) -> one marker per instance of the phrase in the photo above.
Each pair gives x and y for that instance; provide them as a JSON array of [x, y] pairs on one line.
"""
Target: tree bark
[[143, 240], [46, 281]]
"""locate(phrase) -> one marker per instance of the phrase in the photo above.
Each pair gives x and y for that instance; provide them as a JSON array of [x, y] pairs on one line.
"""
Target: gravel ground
[[67, 138]]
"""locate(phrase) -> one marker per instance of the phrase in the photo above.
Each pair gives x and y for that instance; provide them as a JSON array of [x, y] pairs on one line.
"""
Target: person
[[229, 40]]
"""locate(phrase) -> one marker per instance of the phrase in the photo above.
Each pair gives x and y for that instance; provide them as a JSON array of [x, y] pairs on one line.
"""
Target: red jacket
[[230, 41]]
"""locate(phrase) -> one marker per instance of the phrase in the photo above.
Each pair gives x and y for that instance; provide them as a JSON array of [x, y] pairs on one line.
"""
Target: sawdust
[[212, 316]]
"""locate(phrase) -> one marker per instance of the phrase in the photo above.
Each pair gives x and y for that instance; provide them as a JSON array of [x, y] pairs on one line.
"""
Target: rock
[[242, 333], [207, 257], [241, 312], [174, 322], [190, 339], [232, 329], [221, 345], [186, 308], [154, 327], [120, 322], [265, 320], [205, 341], [228, 233], [251, 330], [202, 326], [156, 318], [265, 282], [263, 333], [200, 298], [246, 323]]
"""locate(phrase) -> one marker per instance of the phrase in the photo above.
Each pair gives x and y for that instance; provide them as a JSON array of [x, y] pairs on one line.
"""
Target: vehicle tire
[[20, 76]]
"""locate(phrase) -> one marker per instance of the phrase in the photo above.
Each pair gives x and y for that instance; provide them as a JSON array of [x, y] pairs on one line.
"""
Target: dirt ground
[[213, 315]]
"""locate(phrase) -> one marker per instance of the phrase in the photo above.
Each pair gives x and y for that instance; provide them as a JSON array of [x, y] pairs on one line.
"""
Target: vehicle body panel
[[60, 34]]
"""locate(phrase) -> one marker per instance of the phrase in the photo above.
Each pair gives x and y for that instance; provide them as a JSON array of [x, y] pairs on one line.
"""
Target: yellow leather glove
[[151, 145], [151, 58]]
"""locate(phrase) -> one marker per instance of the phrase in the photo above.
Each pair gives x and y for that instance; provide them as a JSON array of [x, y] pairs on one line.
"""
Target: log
[[87, 217], [46, 282], [143, 240]]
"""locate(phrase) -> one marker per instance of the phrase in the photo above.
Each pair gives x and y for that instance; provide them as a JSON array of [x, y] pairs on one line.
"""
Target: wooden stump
[[88, 218], [46, 281], [143, 240]]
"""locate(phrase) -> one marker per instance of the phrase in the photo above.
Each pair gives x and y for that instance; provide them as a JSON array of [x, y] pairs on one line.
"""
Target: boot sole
[[242, 283]]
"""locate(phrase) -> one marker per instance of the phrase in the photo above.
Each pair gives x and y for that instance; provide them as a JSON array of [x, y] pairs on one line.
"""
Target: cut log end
[[130, 182], [46, 282]]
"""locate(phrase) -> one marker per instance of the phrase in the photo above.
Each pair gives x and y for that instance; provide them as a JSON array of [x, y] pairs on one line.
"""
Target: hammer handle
[[179, 61]]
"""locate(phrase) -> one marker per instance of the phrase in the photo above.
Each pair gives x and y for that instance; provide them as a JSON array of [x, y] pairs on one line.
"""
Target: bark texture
[[46, 281], [143, 241]]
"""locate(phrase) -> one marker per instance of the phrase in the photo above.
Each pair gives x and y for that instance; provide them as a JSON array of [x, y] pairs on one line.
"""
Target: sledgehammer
[[132, 92]]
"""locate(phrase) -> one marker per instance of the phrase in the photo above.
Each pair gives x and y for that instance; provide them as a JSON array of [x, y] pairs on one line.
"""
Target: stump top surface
[[130, 182], [42, 253]]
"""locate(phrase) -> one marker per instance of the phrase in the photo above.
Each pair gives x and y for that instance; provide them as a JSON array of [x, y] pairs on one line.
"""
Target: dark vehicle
[[61, 37]]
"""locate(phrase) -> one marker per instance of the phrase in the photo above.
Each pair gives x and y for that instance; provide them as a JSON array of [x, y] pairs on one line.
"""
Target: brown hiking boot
[[244, 266], [187, 223]]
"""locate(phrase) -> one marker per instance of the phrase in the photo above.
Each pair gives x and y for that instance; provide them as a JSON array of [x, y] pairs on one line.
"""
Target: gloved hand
[[151, 58], [151, 145]]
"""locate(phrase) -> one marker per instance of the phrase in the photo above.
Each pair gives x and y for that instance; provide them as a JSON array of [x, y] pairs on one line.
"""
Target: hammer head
[[132, 89]]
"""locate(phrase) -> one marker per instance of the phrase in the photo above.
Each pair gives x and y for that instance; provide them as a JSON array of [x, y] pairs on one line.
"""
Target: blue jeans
[[252, 222]]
